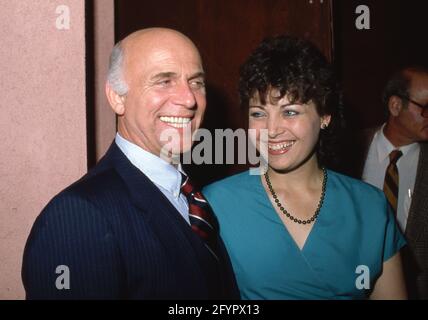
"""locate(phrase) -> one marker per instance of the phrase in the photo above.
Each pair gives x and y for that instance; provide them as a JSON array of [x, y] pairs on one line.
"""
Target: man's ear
[[116, 101], [395, 104]]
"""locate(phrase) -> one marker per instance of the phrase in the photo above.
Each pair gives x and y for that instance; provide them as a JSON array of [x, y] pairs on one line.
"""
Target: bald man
[[129, 228]]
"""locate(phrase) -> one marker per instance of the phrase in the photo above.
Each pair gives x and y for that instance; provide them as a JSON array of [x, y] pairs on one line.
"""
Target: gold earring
[[324, 126]]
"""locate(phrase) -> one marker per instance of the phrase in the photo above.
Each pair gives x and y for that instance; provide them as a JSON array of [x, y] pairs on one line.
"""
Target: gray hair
[[114, 75]]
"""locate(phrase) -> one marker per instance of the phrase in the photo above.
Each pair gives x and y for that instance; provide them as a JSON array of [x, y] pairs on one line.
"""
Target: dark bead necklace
[[281, 207]]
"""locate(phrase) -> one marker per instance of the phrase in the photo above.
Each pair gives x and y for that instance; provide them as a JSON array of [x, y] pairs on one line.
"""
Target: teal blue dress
[[342, 257]]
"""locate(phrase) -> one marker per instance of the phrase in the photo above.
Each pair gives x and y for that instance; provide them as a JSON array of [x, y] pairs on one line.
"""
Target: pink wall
[[43, 117], [105, 119]]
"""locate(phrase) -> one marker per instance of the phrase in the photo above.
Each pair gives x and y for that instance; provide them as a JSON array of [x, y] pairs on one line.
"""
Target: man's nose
[[185, 96]]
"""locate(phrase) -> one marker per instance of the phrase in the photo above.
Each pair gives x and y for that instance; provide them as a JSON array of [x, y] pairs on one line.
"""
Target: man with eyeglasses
[[397, 162]]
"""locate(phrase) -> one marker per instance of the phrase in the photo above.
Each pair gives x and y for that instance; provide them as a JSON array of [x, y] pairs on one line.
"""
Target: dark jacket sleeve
[[72, 253]]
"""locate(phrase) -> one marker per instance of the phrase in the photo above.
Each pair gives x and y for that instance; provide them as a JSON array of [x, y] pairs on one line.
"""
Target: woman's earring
[[323, 126]]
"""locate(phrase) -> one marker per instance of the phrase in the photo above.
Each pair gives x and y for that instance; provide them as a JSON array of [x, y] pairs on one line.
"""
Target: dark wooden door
[[226, 31]]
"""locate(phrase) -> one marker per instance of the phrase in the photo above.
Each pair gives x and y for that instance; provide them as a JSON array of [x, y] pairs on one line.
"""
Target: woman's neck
[[307, 176]]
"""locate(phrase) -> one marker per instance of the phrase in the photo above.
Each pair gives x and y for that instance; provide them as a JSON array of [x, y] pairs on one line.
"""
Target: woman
[[300, 231]]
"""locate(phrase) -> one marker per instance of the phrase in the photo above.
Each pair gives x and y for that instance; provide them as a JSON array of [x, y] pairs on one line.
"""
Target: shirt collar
[[384, 146], [156, 169]]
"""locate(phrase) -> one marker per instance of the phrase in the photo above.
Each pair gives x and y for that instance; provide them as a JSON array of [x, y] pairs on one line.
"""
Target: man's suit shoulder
[[98, 184], [76, 229], [96, 191]]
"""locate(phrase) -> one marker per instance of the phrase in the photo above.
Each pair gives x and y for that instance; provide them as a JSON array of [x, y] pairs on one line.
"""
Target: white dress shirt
[[164, 175], [377, 162]]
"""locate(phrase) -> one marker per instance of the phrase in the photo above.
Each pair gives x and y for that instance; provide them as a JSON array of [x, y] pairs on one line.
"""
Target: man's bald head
[[141, 42], [155, 36]]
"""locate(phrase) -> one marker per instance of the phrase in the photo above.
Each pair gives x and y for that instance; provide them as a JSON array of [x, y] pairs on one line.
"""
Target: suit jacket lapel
[[167, 223], [417, 220]]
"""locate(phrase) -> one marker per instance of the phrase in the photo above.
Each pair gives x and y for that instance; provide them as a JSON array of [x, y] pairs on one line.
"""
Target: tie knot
[[394, 156]]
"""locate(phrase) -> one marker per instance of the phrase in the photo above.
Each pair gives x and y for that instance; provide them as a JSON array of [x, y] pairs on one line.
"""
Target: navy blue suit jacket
[[120, 238]]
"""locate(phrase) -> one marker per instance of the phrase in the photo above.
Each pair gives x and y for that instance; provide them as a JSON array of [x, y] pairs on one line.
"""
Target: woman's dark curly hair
[[299, 70]]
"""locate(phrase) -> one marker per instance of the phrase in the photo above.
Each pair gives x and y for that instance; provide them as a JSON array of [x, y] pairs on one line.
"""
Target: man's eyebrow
[[199, 74], [162, 75]]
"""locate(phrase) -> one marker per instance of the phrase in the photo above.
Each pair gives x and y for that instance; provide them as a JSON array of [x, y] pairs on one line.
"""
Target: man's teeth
[[280, 146], [177, 122]]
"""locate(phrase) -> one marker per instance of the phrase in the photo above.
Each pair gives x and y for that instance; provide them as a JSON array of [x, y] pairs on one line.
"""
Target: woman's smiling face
[[293, 129]]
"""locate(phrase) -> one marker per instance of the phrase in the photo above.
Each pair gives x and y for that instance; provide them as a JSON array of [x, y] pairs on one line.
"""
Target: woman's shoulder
[[363, 206], [236, 183], [356, 189]]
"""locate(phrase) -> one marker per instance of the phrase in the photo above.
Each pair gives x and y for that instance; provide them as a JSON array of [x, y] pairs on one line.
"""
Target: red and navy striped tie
[[202, 219]]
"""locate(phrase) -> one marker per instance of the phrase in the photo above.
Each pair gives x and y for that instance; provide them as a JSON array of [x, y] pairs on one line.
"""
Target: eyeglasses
[[424, 108]]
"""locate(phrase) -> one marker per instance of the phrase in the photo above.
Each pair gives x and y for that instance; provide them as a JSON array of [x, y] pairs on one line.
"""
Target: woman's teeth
[[177, 122], [279, 146]]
